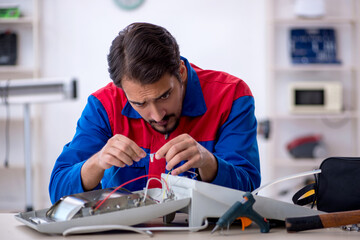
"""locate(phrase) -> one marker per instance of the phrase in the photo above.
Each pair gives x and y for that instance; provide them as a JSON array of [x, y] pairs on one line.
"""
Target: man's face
[[160, 103]]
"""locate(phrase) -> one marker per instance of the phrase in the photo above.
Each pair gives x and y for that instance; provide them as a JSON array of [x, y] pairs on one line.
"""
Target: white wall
[[227, 35]]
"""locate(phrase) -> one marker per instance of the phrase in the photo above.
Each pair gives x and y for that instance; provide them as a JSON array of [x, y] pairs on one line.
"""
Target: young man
[[197, 122]]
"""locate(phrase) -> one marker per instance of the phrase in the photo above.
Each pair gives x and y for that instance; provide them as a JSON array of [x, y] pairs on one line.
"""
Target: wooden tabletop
[[10, 228]]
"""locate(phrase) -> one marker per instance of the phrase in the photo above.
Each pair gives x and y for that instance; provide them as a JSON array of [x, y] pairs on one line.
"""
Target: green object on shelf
[[9, 11]]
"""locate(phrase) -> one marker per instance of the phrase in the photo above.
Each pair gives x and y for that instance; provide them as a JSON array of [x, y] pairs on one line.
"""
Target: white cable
[[102, 228], [176, 228], [303, 174], [147, 186], [145, 230]]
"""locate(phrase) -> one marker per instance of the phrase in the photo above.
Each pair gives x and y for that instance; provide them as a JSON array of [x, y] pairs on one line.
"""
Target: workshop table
[[10, 228]]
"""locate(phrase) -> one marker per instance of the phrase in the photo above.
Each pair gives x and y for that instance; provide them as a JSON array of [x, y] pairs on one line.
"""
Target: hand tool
[[240, 209], [326, 220]]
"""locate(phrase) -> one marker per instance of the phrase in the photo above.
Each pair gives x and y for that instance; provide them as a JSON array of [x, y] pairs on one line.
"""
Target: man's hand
[[118, 151], [184, 147]]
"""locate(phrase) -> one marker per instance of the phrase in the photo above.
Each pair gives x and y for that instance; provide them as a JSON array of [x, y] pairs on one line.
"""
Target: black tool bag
[[336, 187]]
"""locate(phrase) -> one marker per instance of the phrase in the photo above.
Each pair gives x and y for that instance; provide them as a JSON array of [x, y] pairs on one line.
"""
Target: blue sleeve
[[236, 149], [92, 132]]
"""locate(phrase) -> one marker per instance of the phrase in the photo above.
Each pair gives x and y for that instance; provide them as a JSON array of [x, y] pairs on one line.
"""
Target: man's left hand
[[185, 148]]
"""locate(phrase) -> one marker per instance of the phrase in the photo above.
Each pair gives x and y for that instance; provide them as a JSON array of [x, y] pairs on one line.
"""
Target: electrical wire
[[151, 158], [113, 176], [167, 176], [130, 181], [195, 174], [151, 155], [176, 228], [101, 228], [141, 230], [147, 187], [303, 174]]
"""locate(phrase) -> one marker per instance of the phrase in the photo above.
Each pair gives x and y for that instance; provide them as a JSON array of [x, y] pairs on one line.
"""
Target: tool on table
[[353, 227], [326, 220], [240, 209]]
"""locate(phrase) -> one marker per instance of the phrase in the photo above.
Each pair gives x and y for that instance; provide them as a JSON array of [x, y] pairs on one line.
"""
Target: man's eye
[[139, 104], [165, 96]]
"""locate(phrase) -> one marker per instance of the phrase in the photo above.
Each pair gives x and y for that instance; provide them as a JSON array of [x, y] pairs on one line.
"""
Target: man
[[200, 123]]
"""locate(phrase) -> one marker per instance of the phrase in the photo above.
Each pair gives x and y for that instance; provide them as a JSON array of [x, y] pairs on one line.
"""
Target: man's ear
[[183, 71]]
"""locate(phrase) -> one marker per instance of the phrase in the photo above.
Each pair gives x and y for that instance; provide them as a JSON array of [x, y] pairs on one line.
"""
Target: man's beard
[[166, 118]]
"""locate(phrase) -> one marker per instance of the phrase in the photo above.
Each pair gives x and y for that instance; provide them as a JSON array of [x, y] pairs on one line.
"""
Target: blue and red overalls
[[218, 112]]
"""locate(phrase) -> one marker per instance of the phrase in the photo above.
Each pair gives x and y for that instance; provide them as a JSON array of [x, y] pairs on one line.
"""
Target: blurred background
[[66, 39]]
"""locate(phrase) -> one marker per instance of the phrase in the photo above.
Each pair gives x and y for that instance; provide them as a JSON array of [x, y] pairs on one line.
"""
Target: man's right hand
[[118, 151]]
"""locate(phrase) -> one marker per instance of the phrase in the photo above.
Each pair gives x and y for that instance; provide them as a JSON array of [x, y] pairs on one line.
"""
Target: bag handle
[[306, 200]]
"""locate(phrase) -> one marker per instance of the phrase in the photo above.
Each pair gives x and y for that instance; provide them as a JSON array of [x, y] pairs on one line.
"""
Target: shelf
[[299, 162], [314, 67], [4, 69], [315, 21], [344, 115], [13, 166], [340, 131], [22, 20]]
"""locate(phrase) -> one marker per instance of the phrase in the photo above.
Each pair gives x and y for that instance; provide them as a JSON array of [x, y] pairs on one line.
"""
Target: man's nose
[[157, 113]]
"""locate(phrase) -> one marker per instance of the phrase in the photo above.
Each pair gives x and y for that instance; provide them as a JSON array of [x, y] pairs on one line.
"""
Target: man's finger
[[121, 156], [162, 152], [109, 160], [183, 168], [132, 149], [176, 149], [185, 155]]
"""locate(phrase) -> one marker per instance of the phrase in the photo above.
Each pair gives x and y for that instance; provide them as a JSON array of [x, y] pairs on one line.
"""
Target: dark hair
[[143, 52]]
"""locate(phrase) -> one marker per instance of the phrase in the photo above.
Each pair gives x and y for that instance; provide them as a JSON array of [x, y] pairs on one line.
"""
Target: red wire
[[130, 181]]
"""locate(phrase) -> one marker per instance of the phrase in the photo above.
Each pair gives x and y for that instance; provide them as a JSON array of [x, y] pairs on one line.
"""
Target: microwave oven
[[316, 97]]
